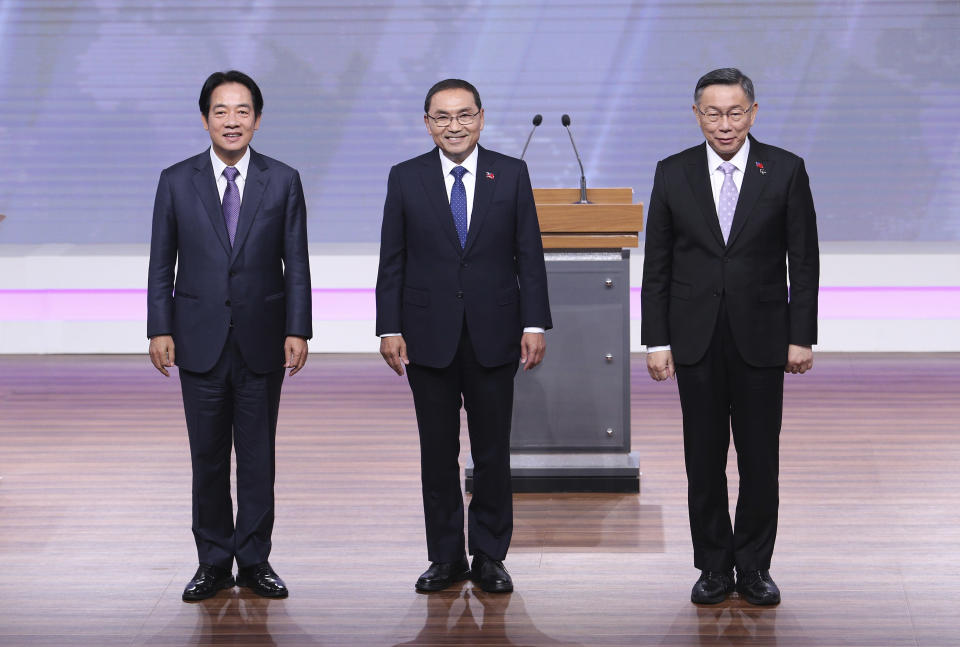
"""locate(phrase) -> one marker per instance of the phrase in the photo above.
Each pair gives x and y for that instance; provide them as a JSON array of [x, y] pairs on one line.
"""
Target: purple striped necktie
[[231, 202]]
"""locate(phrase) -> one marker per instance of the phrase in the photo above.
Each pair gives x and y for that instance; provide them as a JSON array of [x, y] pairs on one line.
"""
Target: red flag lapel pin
[[489, 175], [763, 171]]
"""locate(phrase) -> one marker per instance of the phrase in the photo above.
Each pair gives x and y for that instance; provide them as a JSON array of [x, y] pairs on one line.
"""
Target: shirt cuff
[[390, 334], [657, 349]]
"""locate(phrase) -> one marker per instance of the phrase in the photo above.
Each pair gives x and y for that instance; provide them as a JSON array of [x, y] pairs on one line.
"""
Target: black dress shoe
[[757, 587], [440, 575], [490, 574], [713, 587], [207, 582], [262, 580]]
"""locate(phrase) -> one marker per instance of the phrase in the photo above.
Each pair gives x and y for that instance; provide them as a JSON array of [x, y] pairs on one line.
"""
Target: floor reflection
[[735, 623], [232, 617], [462, 615], [610, 522]]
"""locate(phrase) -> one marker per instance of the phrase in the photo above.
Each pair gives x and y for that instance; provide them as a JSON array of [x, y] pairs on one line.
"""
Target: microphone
[[537, 120], [565, 120]]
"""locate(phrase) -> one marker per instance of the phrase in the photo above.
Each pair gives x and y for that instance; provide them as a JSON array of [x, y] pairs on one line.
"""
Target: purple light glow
[[359, 305], [837, 302], [131, 305]]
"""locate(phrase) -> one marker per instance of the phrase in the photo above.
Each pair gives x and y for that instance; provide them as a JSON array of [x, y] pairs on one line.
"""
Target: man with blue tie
[[229, 304], [728, 221], [461, 297]]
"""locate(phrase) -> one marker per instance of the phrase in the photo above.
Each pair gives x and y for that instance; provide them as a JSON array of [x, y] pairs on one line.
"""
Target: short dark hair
[[217, 79], [450, 84], [724, 76]]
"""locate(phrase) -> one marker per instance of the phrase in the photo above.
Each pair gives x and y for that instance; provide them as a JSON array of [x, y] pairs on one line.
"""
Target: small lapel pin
[[489, 175], [763, 171]]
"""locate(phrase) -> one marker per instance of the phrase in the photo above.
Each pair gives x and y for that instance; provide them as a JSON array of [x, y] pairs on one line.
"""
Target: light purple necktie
[[727, 204], [231, 202]]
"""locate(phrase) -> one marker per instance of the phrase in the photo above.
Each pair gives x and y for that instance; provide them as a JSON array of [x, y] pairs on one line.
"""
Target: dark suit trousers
[[487, 396], [718, 393], [232, 405]]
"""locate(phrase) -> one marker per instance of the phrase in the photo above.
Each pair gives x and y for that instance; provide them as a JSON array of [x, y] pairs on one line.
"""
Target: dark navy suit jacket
[[428, 286], [198, 284], [687, 266]]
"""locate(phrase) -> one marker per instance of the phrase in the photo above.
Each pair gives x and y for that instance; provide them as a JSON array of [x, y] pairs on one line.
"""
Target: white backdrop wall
[[97, 96]]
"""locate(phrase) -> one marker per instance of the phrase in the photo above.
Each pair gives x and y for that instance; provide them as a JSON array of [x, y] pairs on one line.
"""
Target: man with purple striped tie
[[229, 304], [724, 219]]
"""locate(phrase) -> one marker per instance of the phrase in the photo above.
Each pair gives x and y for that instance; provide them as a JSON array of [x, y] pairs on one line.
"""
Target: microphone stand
[[583, 178]]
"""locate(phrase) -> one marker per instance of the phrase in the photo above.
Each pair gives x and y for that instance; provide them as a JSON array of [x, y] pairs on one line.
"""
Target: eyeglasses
[[735, 115], [464, 119]]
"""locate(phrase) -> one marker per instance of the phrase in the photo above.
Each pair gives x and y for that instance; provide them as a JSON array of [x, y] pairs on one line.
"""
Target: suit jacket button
[[227, 303], [459, 294], [716, 293], [233, 273]]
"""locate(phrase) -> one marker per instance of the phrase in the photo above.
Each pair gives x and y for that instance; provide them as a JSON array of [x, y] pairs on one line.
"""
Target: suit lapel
[[436, 191], [752, 186], [698, 176], [482, 194], [206, 186], [258, 176]]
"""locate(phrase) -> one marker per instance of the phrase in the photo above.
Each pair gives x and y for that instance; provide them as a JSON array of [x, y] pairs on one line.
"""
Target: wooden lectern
[[571, 414], [612, 221]]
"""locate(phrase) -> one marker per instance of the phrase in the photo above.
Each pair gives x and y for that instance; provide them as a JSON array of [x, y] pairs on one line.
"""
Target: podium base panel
[[570, 472]]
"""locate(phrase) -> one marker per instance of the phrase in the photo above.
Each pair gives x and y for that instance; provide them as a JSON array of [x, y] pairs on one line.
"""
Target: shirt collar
[[241, 166], [470, 163], [739, 160]]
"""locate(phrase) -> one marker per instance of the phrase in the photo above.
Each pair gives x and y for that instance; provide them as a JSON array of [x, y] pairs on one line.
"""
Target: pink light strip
[[358, 304], [131, 305], [840, 302]]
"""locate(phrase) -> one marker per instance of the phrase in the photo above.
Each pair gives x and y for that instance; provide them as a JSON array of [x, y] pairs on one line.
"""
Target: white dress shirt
[[241, 166], [716, 181], [469, 178], [716, 175]]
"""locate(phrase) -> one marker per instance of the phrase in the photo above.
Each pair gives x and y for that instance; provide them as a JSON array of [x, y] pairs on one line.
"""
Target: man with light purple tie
[[228, 303], [728, 222]]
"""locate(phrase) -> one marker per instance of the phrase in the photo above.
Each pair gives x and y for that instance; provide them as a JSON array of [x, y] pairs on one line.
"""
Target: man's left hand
[[295, 350], [799, 359], [533, 345]]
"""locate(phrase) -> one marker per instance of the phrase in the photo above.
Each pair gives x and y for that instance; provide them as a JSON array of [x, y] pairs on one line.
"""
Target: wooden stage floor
[[95, 543]]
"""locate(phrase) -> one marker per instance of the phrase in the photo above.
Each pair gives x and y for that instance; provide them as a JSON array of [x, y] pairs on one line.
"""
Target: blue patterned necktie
[[231, 202], [727, 204], [458, 204]]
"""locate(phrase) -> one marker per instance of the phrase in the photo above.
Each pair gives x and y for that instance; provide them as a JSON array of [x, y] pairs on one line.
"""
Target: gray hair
[[724, 76]]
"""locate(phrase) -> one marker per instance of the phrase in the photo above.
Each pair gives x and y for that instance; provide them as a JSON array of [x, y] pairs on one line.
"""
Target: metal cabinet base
[[571, 414], [570, 472]]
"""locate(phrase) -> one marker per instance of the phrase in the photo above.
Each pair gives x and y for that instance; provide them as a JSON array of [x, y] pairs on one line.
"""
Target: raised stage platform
[[95, 543]]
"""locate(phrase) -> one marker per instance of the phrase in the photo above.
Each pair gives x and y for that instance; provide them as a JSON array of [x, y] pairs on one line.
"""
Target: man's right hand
[[394, 351], [660, 365], [161, 353]]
